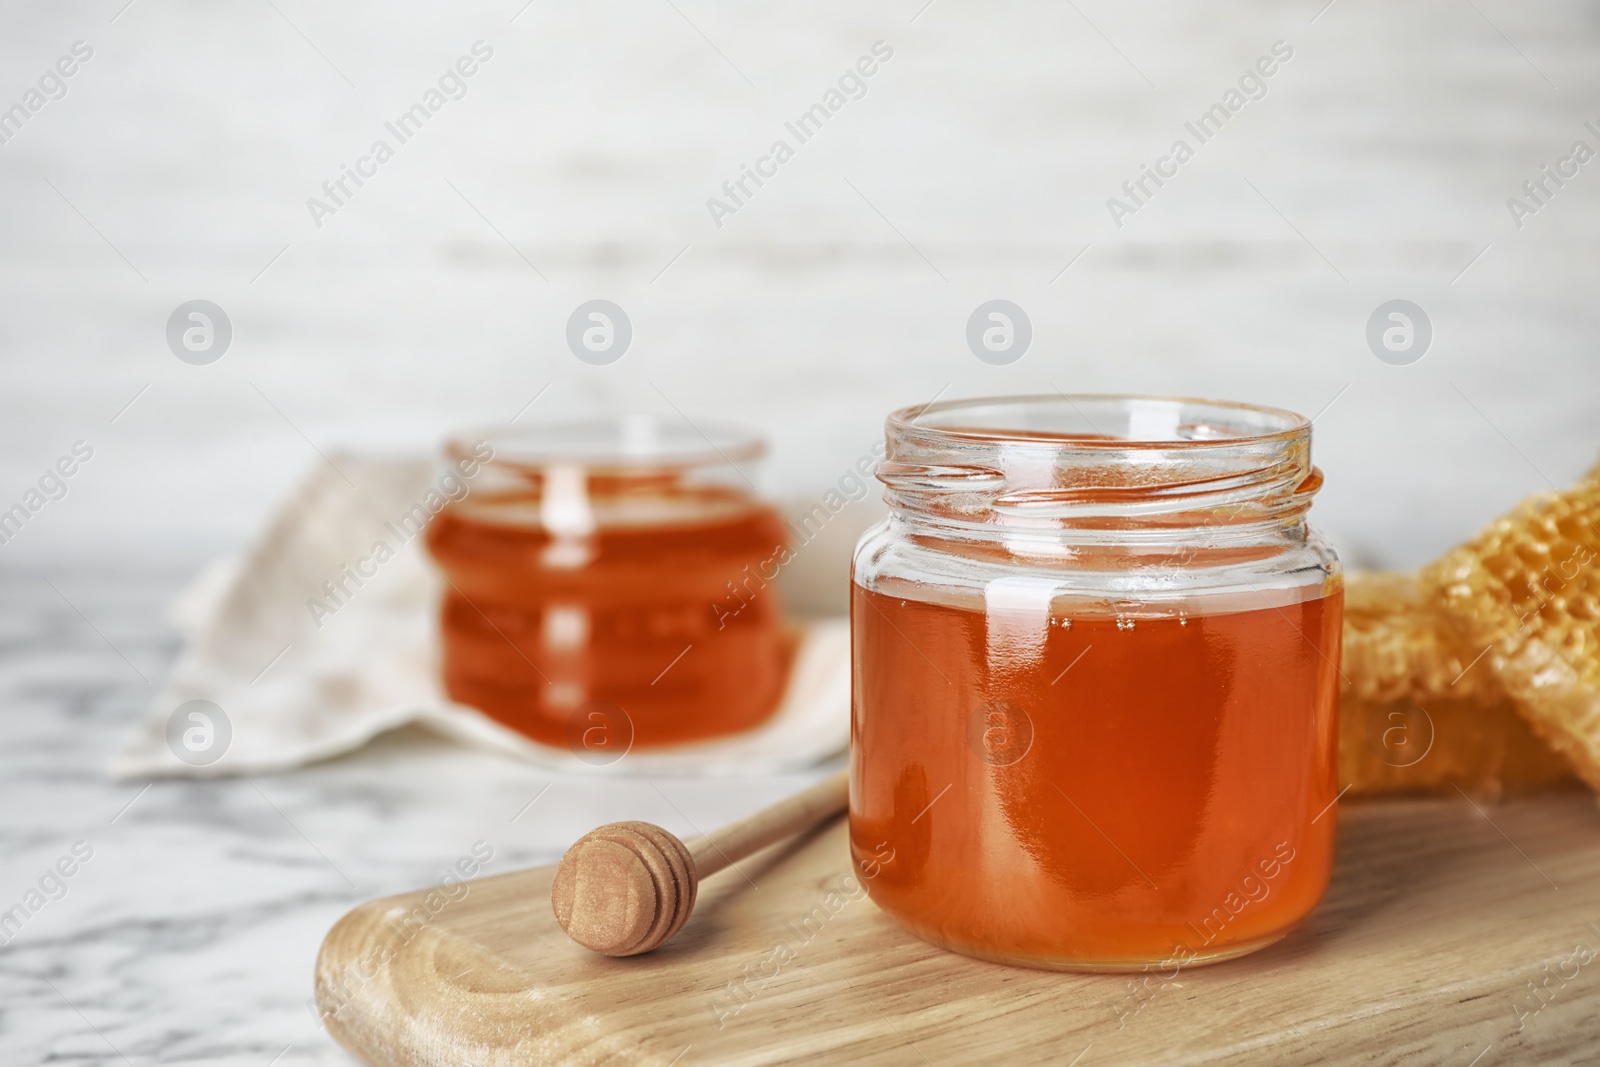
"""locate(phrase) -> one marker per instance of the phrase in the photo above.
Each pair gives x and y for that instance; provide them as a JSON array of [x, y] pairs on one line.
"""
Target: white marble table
[[189, 934]]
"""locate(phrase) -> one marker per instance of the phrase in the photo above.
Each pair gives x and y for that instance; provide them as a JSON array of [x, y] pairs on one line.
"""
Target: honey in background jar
[[609, 584]]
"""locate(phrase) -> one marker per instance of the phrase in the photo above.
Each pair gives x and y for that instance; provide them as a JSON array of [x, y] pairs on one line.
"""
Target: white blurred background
[[978, 165]]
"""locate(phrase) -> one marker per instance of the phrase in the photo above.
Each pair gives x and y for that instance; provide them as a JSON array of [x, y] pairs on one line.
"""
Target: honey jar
[[608, 584], [1096, 653]]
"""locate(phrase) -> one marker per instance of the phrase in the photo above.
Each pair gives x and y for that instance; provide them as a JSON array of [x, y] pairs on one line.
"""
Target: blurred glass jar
[[609, 584]]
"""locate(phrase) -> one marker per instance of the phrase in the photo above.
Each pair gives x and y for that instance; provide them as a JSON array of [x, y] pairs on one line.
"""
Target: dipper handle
[[786, 818], [627, 887]]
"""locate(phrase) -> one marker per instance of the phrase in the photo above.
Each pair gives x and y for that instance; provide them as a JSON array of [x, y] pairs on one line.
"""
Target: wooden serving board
[[1439, 916]]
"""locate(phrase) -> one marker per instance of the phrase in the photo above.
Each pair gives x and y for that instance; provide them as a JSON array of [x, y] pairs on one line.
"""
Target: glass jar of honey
[[609, 584], [1096, 653]]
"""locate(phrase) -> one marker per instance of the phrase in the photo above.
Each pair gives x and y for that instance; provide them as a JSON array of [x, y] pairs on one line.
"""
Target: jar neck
[[1215, 487]]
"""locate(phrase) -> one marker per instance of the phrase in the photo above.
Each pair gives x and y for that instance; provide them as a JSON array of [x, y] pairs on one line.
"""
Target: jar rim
[[1274, 424], [614, 442]]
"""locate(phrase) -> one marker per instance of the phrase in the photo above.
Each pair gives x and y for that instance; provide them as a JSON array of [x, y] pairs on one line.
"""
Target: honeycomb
[[1398, 646], [1417, 714], [1527, 590], [1480, 670]]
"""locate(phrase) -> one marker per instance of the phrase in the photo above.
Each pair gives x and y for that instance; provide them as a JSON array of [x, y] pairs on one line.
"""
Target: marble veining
[[189, 935]]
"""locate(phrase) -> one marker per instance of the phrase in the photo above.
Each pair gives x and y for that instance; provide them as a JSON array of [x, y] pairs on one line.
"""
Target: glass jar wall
[[1095, 680]]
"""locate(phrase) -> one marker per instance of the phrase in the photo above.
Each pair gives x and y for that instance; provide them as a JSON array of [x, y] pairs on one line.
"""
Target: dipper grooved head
[[624, 889]]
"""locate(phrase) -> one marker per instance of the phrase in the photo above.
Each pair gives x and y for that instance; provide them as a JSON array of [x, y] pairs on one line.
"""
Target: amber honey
[[1135, 789], [1095, 704], [601, 611]]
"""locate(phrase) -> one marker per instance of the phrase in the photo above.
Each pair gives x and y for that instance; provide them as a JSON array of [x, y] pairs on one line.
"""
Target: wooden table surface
[[1439, 916]]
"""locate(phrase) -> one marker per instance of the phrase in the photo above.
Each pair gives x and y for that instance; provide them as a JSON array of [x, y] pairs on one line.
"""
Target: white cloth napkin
[[292, 691]]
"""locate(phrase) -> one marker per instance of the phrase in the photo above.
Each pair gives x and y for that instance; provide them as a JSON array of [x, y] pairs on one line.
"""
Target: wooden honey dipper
[[628, 887]]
